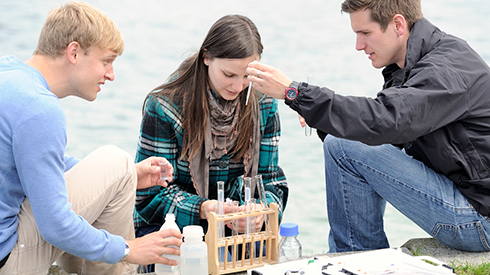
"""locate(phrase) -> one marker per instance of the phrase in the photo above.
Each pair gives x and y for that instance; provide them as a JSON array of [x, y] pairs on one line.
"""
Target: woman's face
[[228, 77]]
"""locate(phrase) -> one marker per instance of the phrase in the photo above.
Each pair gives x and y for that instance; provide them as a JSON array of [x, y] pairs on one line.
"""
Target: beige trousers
[[101, 189]]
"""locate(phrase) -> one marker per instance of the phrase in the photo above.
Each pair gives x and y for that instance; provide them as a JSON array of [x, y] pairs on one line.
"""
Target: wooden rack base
[[268, 238]]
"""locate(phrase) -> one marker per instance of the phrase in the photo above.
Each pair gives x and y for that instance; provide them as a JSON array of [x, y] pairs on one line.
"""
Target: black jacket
[[437, 107]]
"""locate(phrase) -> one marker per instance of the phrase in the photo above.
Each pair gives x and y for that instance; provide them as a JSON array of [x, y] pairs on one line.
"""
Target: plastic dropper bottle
[[289, 247], [193, 252], [161, 269]]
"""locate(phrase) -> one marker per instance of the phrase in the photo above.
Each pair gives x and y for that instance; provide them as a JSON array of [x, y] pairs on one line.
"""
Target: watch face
[[291, 93]]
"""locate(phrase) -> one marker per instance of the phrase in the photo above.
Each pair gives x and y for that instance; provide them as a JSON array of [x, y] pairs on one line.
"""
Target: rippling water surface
[[302, 37]]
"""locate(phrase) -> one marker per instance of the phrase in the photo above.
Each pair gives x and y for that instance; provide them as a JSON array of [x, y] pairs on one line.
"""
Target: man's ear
[[73, 52], [400, 24]]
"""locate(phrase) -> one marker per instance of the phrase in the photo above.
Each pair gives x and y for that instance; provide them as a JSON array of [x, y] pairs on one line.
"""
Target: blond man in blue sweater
[[50, 203]]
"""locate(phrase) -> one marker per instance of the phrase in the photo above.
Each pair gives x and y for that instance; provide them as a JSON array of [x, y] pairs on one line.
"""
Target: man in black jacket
[[422, 144]]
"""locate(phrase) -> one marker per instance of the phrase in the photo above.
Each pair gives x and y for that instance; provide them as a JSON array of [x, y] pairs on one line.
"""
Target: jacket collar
[[423, 38]]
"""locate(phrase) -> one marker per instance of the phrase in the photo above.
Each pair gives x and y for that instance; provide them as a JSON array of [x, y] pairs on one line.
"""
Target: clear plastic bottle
[[193, 252], [161, 269], [289, 247]]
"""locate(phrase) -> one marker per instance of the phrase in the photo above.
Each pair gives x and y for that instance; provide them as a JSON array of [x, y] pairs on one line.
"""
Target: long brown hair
[[231, 37]]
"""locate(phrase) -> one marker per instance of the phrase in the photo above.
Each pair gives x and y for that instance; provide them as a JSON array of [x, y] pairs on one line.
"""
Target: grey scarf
[[221, 136]]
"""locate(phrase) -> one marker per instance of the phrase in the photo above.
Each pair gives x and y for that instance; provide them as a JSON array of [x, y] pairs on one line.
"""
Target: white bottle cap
[[193, 232]]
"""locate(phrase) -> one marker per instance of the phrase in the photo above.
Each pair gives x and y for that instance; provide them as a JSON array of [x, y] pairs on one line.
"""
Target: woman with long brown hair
[[207, 127]]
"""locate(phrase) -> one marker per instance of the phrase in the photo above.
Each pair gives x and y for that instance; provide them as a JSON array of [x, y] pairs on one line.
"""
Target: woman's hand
[[148, 171], [256, 221], [212, 206], [206, 207]]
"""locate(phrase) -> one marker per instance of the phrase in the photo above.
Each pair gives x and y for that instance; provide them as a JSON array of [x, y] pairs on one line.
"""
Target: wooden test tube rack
[[268, 236]]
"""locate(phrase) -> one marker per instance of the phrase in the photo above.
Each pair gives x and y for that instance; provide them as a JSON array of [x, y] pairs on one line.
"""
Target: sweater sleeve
[[39, 139]]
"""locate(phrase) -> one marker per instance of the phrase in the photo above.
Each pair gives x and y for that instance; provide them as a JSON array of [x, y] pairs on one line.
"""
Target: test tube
[[262, 197], [261, 189], [247, 184], [163, 169], [221, 212], [234, 210]]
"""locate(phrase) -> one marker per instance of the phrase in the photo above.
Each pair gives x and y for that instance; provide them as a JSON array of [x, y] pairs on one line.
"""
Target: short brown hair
[[80, 22], [382, 11]]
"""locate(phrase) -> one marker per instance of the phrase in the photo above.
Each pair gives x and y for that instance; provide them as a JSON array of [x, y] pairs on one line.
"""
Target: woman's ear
[[205, 57]]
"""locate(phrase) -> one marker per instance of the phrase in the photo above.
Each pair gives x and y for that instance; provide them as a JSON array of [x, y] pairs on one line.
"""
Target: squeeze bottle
[[161, 269], [193, 252]]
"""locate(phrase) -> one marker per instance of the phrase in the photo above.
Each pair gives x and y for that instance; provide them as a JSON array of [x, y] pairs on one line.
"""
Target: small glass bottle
[[289, 247], [161, 269], [163, 169], [193, 252]]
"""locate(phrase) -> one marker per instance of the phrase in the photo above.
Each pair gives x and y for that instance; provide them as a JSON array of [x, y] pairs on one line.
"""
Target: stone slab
[[433, 248]]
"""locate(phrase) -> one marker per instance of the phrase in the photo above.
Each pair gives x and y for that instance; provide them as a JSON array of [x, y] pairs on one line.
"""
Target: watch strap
[[295, 85], [126, 252]]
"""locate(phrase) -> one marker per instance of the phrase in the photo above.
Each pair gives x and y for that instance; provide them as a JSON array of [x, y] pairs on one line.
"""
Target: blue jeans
[[360, 179]]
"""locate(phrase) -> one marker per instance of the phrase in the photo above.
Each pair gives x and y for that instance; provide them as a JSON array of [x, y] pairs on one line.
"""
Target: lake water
[[301, 37]]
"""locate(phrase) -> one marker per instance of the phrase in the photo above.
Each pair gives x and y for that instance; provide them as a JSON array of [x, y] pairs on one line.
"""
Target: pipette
[[248, 92]]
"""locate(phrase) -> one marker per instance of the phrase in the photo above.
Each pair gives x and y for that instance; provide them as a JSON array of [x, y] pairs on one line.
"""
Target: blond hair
[[382, 11], [79, 22]]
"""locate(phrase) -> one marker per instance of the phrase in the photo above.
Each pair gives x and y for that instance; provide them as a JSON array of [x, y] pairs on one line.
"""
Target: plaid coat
[[162, 135]]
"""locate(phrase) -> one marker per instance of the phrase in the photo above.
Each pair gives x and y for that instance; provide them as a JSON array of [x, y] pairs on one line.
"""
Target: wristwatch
[[126, 252], [291, 93]]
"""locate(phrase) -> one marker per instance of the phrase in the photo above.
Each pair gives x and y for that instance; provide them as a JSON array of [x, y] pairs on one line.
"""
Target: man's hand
[[301, 121], [150, 248], [148, 172], [268, 80]]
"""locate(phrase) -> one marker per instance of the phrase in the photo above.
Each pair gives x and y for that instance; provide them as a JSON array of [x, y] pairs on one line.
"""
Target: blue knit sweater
[[33, 163]]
